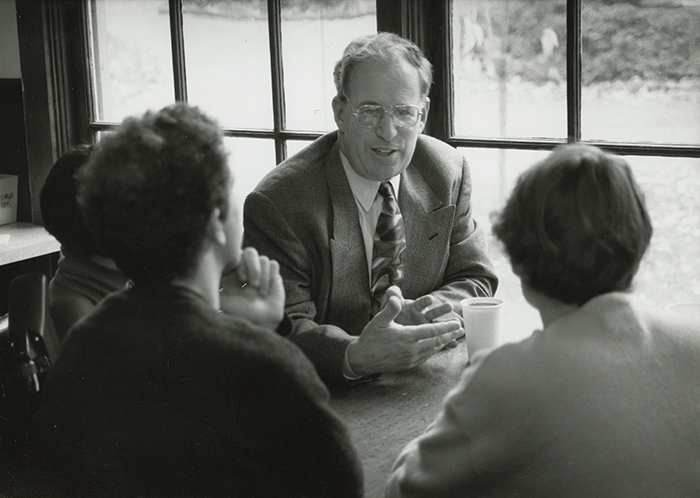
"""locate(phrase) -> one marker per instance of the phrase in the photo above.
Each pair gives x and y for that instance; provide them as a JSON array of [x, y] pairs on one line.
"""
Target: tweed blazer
[[304, 215]]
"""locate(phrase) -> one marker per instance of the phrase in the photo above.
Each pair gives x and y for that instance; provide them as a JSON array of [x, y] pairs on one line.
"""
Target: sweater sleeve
[[480, 433], [434, 462], [299, 439]]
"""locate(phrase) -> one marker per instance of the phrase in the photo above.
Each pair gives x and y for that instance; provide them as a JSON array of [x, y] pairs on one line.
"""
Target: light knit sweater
[[603, 402]]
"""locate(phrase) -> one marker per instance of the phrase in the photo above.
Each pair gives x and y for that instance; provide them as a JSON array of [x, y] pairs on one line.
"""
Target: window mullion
[[390, 16], [177, 41], [274, 17], [439, 47], [573, 69], [427, 24]]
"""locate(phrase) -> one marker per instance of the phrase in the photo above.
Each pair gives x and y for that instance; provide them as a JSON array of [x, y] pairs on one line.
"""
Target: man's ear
[[215, 227], [338, 107], [424, 116]]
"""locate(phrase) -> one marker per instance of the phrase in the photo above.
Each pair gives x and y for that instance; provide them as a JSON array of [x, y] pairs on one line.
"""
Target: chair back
[[27, 349]]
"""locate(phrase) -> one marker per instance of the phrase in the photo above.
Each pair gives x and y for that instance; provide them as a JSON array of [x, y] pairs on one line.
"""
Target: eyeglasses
[[369, 116]]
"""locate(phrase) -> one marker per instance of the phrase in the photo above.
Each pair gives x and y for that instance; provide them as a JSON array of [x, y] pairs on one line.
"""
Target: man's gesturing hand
[[425, 309], [385, 346]]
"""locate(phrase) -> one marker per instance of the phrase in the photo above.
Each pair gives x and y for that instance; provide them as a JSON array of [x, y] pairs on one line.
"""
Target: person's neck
[[549, 308], [554, 311], [205, 280], [103, 261]]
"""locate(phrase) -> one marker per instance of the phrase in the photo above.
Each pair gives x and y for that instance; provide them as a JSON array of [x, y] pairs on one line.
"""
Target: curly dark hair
[[60, 212], [576, 225], [149, 189]]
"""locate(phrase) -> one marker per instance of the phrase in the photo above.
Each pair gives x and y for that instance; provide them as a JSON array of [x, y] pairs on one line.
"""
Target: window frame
[[442, 95], [58, 92], [428, 24], [279, 132]]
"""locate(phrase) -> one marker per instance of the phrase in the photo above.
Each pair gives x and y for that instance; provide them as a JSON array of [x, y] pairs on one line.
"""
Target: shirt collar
[[364, 190]]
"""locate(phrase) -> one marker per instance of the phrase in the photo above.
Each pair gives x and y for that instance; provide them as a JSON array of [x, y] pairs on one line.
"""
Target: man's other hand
[[385, 345], [425, 309]]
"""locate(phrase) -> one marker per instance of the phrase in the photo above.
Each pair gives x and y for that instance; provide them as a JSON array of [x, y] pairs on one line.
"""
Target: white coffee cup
[[482, 322]]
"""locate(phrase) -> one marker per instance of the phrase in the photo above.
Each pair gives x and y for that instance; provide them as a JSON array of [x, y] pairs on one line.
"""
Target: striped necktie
[[389, 246]]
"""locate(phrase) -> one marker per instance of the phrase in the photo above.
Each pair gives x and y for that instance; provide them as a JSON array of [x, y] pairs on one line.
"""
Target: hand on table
[[425, 309], [254, 290], [385, 345]]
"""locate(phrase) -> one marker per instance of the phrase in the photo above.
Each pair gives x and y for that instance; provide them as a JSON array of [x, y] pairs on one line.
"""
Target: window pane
[[509, 68], [641, 71], [313, 39], [493, 174], [670, 271], [250, 159], [132, 57], [101, 134], [227, 55], [294, 146]]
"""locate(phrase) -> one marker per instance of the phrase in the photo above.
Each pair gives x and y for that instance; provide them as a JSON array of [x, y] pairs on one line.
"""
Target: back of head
[[382, 46], [576, 225], [150, 187], [59, 206]]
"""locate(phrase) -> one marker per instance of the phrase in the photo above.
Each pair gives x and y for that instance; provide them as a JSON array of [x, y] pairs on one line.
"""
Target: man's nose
[[386, 129]]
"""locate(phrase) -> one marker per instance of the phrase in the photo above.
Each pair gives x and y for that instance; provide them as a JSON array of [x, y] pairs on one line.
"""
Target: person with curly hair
[[605, 399], [85, 276], [170, 388]]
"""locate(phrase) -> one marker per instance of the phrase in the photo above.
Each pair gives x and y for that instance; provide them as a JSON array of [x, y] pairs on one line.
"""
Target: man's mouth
[[384, 152]]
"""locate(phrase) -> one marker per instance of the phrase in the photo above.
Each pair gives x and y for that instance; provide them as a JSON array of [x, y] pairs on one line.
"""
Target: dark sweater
[[78, 285], [157, 394]]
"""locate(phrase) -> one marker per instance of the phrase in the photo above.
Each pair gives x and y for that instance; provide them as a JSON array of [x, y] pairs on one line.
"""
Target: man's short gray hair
[[382, 46]]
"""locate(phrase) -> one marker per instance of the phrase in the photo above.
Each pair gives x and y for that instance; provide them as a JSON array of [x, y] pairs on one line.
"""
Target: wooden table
[[384, 415]]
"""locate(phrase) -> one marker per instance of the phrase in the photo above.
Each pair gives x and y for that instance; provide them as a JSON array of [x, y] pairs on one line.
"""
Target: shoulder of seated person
[[303, 167], [263, 341]]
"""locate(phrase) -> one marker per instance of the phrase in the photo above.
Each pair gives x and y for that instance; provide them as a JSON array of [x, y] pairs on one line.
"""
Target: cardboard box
[[8, 199]]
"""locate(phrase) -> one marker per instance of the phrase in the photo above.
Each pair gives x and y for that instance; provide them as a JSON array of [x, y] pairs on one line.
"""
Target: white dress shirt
[[369, 207]]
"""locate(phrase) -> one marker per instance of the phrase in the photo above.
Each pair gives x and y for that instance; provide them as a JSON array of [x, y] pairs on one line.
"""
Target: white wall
[[9, 44]]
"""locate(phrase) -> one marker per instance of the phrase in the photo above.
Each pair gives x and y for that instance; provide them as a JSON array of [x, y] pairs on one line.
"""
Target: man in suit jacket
[[317, 213]]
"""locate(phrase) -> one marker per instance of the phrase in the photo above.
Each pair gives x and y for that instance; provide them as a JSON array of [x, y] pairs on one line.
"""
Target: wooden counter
[[20, 241]]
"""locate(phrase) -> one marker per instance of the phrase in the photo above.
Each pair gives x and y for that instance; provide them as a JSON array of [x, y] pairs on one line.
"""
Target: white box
[[8, 199]]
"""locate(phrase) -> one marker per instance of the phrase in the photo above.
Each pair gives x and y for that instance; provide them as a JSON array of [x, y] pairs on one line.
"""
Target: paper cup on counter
[[482, 322]]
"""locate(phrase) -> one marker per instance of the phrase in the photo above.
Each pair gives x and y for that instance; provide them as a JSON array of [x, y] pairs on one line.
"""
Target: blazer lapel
[[428, 225], [350, 284]]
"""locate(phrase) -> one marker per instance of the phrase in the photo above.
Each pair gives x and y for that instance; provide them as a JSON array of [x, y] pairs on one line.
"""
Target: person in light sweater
[[605, 399]]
